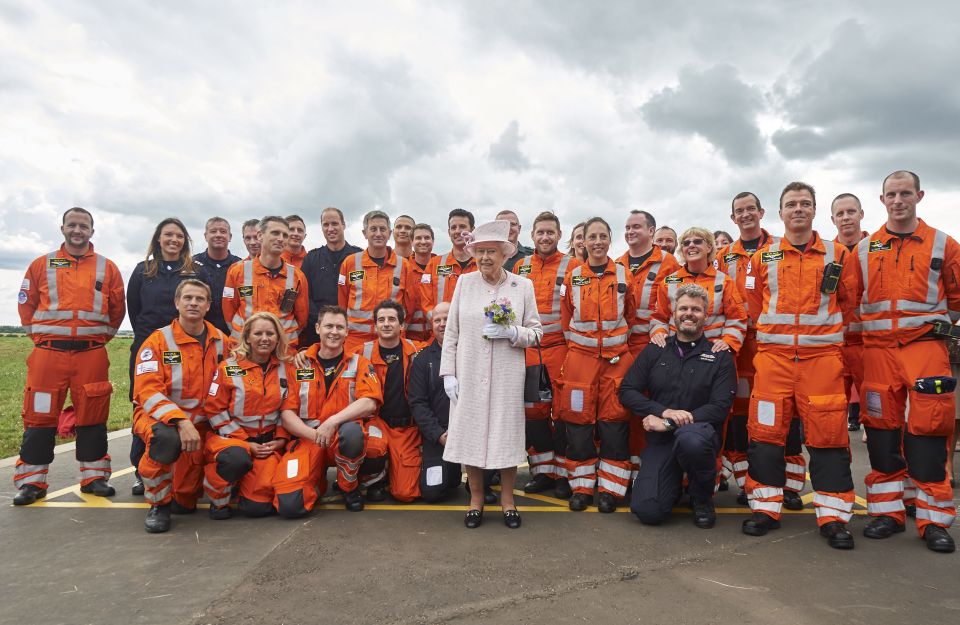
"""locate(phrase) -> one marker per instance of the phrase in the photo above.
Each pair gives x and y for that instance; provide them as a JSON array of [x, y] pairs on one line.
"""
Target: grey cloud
[[715, 104], [505, 153]]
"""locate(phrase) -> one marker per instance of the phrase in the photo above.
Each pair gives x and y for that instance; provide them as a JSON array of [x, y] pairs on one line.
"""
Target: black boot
[[100, 488], [539, 483], [882, 527], [353, 501], [759, 524], [158, 519], [137, 489], [580, 501], [607, 503], [837, 535], [792, 500], [938, 539], [377, 491], [704, 514], [28, 495], [562, 489]]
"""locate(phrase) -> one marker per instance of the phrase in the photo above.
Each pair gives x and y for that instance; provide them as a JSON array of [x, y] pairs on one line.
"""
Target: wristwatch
[[670, 423]]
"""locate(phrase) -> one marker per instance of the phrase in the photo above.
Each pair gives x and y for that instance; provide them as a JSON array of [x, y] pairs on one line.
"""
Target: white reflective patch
[[25, 285], [434, 475], [563, 290], [293, 467], [751, 282], [576, 400], [228, 292], [425, 279], [41, 402], [766, 413], [341, 279], [874, 404], [743, 387], [375, 431], [145, 367], [146, 354], [214, 387]]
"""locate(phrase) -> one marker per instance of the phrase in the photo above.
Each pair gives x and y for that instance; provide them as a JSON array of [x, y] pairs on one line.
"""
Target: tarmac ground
[[77, 559]]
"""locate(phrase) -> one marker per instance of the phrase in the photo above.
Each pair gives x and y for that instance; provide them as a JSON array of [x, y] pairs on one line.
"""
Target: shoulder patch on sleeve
[[146, 367], [25, 285], [341, 279], [425, 278], [22, 297], [214, 387], [146, 354], [228, 292]]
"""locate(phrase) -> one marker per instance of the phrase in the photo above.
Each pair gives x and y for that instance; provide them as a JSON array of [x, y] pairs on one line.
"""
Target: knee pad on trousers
[[233, 463], [372, 466], [351, 439], [91, 442], [290, 505], [580, 442], [830, 469], [539, 435], [37, 446], [767, 464], [794, 444], [614, 439], [255, 508], [926, 457], [883, 447], [165, 443]]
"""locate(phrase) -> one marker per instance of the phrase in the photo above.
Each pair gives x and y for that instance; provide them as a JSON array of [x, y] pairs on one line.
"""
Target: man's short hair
[[427, 227], [191, 282], [392, 305], [399, 217], [290, 218], [651, 222], [336, 210], [667, 228], [844, 196], [250, 223], [691, 289], [546, 216], [903, 173], [459, 212], [796, 185], [262, 226], [375, 215], [742, 195], [330, 309], [76, 209], [216, 220]]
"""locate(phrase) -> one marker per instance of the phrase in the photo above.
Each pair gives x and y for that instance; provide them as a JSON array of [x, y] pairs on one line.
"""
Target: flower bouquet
[[500, 312]]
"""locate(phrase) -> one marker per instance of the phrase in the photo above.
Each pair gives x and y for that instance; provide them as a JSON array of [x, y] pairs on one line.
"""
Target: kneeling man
[[683, 391]]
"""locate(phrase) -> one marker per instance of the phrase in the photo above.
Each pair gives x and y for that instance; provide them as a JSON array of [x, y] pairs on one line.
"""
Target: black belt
[[70, 346], [262, 439], [398, 423]]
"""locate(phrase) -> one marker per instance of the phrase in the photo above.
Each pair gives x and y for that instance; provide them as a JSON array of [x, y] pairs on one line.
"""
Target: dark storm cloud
[[715, 104], [505, 152]]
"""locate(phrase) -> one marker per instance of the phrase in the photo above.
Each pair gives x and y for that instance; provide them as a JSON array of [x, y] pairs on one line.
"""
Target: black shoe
[[580, 501], [742, 498], [474, 519], [562, 489], [377, 492], [853, 426], [489, 497], [792, 501], [724, 484], [353, 501], [938, 539], [539, 483], [911, 509], [704, 514], [220, 514], [759, 524], [495, 478], [882, 527], [137, 489], [176, 508], [511, 518], [158, 519], [606, 503], [28, 495], [837, 535], [100, 488]]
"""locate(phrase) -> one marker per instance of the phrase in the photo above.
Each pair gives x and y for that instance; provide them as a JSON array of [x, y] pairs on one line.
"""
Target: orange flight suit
[[364, 284], [294, 259], [250, 287], [440, 278], [418, 325]]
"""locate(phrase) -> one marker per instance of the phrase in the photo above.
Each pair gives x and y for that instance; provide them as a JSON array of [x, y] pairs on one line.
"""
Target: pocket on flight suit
[[825, 424], [578, 403], [931, 414], [610, 407], [765, 423], [93, 403], [41, 406], [878, 406]]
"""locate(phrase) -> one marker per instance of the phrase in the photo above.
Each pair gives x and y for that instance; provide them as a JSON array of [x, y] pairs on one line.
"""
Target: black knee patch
[[372, 466], [767, 464], [290, 505], [37, 446], [255, 508], [926, 457], [830, 469], [350, 439], [539, 435], [165, 444], [233, 463], [580, 442], [736, 436], [794, 444], [91, 442], [883, 447], [614, 439]]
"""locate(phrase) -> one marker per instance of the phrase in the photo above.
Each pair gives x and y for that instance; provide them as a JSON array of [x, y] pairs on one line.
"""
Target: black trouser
[[137, 446], [438, 478]]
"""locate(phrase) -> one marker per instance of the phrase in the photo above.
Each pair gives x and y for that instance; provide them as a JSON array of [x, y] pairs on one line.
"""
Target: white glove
[[496, 331], [451, 387]]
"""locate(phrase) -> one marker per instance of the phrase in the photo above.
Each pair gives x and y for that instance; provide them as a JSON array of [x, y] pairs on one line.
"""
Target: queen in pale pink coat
[[483, 367]]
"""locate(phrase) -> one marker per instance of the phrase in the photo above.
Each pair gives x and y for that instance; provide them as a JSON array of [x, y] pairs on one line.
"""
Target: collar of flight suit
[[737, 246], [259, 268], [65, 254], [246, 363], [922, 233], [816, 244], [182, 338], [656, 256], [390, 260]]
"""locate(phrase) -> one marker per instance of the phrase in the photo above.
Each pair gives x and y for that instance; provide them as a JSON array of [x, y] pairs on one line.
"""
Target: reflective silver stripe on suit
[[397, 273], [248, 281], [52, 293], [358, 285], [350, 373]]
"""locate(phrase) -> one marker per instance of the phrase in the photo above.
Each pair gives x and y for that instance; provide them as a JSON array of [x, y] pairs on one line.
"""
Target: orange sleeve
[[735, 326], [951, 278], [660, 320], [426, 289], [754, 288], [231, 304], [217, 406], [116, 300], [368, 384], [30, 295], [847, 290], [301, 309], [150, 382], [566, 304]]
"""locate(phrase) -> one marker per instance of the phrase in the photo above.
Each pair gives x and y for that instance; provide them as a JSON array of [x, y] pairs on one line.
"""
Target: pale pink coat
[[487, 422]]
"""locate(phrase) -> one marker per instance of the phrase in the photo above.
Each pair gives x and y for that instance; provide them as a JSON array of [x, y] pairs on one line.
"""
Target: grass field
[[13, 374]]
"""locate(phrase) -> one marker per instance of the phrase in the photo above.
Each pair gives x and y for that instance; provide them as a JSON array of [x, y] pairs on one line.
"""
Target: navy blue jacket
[[217, 272], [321, 267], [429, 403], [701, 382], [150, 300]]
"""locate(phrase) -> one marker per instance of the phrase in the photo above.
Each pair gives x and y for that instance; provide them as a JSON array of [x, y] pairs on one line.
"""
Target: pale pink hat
[[492, 232]]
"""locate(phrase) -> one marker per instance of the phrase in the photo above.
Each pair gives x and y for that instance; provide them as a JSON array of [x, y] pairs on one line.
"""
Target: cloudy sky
[[143, 110]]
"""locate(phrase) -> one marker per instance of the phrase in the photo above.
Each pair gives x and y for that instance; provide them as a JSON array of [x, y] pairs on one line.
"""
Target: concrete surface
[[77, 559]]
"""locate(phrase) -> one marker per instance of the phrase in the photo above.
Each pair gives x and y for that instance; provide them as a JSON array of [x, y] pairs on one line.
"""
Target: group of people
[[676, 367]]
